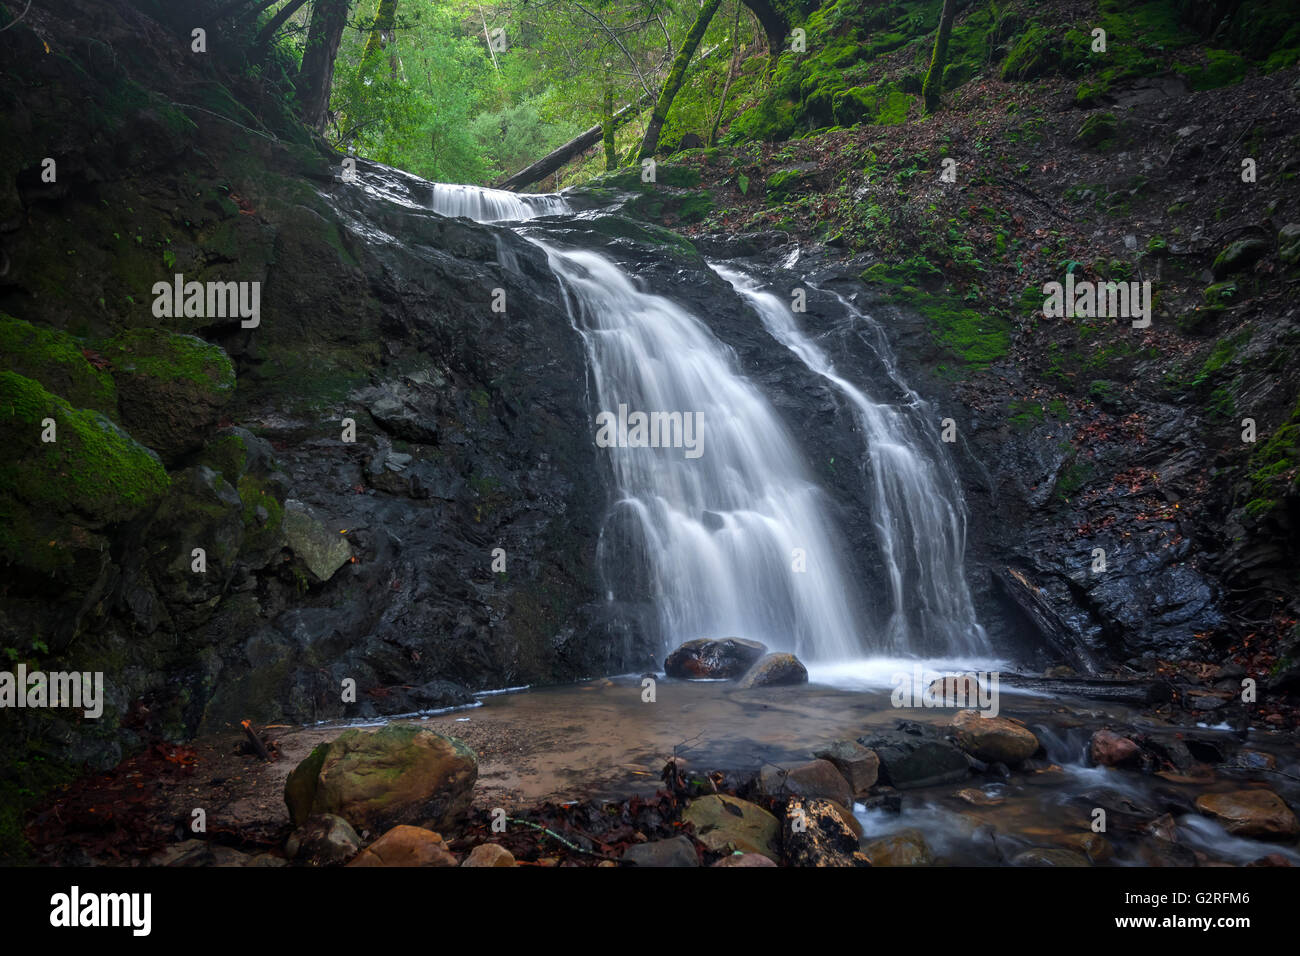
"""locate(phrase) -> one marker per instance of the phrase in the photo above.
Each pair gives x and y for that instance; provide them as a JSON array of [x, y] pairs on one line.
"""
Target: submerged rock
[[1040, 856], [1109, 749], [723, 822], [398, 774], [406, 846], [775, 670], [993, 739], [905, 848], [728, 657], [1254, 813]]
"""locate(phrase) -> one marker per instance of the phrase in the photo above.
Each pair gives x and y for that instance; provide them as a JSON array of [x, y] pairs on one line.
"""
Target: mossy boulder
[[58, 361], [1220, 295], [1238, 256], [54, 495], [172, 388], [724, 823], [400, 774]]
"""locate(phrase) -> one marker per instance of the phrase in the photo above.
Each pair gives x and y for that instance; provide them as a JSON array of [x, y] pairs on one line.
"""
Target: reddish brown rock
[[1109, 749], [406, 846]]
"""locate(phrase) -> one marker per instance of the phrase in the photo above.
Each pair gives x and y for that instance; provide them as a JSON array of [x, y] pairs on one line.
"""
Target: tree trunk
[[316, 75], [933, 87], [381, 31], [607, 129], [774, 24], [731, 76], [273, 25], [676, 76]]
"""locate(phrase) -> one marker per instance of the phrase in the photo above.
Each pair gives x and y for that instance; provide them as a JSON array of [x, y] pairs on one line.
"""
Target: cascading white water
[[494, 205], [728, 533], [736, 541], [918, 515]]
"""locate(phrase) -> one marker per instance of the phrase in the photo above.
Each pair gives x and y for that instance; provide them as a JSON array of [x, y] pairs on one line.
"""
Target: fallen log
[[583, 141], [562, 154]]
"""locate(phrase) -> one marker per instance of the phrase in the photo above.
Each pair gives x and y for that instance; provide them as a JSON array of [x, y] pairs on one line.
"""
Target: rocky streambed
[[708, 773]]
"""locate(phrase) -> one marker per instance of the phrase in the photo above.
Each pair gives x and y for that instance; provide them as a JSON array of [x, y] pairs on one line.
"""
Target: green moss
[[169, 356], [1275, 466], [93, 470], [1222, 68], [259, 535], [1098, 130], [1072, 478], [56, 360], [1221, 295]]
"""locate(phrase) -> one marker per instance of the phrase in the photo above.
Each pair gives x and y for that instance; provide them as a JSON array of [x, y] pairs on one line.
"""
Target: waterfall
[[918, 511], [731, 537], [494, 205], [737, 540]]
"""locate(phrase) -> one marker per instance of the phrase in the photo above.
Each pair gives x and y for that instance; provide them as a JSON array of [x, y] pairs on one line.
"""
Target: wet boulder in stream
[[723, 659], [774, 670]]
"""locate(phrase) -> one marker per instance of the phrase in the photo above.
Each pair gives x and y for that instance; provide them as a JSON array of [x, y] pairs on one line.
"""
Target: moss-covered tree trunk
[[607, 130], [316, 75], [381, 31], [933, 87], [676, 76]]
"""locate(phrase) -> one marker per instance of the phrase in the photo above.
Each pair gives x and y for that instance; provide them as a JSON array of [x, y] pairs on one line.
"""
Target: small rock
[[1039, 856], [815, 779], [994, 739], [979, 798], [859, 766], [1109, 749], [406, 846], [489, 854], [323, 840], [905, 848], [678, 851], [775, 670], [745, 859], [1254, 813]]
